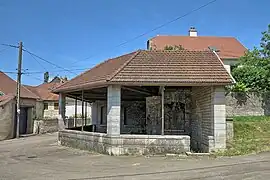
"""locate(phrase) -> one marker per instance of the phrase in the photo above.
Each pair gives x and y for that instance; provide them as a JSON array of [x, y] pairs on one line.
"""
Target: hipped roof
[[153, 68]]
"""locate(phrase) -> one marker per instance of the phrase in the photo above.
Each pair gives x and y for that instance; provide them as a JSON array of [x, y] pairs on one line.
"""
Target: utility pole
[[18, 89]]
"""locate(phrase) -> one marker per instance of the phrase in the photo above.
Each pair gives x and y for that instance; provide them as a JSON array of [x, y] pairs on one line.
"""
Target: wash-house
[[150, 102]]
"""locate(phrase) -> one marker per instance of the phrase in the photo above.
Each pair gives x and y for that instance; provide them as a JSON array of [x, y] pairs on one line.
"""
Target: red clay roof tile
[[8, 86], [229, 47], [154, 68]]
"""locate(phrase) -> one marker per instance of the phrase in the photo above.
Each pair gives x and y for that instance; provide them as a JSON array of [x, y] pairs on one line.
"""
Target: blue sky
[[64, 31]]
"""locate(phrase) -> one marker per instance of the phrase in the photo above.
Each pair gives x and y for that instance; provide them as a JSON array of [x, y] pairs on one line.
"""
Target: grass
[[251, 135]]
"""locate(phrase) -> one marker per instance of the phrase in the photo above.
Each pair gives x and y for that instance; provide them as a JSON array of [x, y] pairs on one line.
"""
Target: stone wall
[[125, 144], [201, 123], [135, 114], [45, 126], [177, 111], [7, 118], [238, 104], [208, 123]]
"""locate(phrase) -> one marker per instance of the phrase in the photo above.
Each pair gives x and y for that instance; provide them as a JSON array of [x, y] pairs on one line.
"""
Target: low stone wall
[[125, 144], [45, 126], [246, 105], [229, 129]]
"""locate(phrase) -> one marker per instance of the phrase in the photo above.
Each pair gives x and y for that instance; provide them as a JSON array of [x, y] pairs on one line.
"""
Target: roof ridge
[[30, 91], [168, 35], [81, 74], [181, 50], [123, 66]]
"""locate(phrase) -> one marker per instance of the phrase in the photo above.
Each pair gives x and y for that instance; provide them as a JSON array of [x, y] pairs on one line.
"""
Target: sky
[[69, 31]]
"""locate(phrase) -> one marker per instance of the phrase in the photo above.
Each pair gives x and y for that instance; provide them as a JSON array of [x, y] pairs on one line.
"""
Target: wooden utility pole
[[18, 89]]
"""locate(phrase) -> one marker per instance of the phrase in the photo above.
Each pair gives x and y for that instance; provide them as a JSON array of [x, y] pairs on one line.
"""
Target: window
[[46, 106], [125, 116], [103, 115], [56, 106]]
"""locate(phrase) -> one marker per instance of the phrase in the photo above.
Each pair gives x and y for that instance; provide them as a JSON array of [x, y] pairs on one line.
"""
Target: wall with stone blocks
[[201, 123], [135, 117], [7, 120], [238, 104], [45, 126], [125, 144], [177, 110]]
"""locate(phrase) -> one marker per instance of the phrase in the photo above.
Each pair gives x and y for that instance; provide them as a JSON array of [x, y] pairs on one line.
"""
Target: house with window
[[38, 104], [8, 113], [49, 109], [229, 49]]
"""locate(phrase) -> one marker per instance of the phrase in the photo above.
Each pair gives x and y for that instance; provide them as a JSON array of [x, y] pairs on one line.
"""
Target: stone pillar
[[62, 112], [219, 118], [113, 110], [94, 113]]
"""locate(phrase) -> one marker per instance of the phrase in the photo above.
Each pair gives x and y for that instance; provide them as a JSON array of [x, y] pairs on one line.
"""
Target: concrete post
[[113, 110], [219, 117], [62, 112]]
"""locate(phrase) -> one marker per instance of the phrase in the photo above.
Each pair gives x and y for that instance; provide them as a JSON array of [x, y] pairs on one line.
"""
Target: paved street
[[39, 157]]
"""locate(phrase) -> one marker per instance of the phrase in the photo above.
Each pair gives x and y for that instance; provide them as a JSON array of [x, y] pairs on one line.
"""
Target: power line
[[154, 29], [41, 72], [49, 62], [2, 50], [36, 60], [39, 79], [10, 45]]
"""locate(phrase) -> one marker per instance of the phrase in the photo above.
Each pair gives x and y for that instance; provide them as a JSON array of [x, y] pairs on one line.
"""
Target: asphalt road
[[39, 157]]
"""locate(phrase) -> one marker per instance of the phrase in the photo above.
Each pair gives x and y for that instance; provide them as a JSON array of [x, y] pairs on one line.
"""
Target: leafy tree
[[174, 48], [253, 71]]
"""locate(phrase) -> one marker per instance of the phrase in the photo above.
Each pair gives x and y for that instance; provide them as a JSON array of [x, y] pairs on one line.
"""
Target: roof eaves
[[80, 86], [123, 66], [229, 74]]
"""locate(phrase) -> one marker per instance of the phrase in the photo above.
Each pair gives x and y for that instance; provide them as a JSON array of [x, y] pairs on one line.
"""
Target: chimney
[[46, 77], [192, 32]]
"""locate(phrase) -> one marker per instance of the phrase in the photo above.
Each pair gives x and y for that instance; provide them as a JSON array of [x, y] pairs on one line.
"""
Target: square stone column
[[219, 118], [62, 112], [94, 113], [113, 110]]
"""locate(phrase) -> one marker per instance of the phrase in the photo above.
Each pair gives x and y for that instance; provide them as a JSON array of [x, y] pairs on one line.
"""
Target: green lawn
[[251, 135]]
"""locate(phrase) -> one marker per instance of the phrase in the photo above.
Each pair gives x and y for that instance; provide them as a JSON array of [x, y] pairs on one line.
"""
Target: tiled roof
[[5, 99], [44, 91], [229, 47], [8, 86], [178, 68]]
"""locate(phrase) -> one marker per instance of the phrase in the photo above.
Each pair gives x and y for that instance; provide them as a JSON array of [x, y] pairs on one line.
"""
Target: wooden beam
[[162, 110], [75, 118], [82, 110], [137, 90]]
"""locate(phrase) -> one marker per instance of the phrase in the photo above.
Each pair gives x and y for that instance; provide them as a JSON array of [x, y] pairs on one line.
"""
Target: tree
[[253, 70], [173, 48]]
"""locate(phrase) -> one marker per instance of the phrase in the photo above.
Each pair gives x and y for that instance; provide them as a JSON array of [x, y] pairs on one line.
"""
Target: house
[[8, 108], [229, 49], [50, 105], [39, 107], [150, 102]]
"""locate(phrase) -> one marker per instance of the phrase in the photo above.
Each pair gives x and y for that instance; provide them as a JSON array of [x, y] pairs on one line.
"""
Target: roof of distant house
[[229, 47], [5, 99], [9, 86], [170, 68], [44, 91]]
